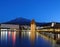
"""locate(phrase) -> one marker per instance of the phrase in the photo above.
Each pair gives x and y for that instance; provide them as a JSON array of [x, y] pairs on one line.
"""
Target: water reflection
[[32, 37], [13, 37], [9, 34], [25, 39], [4, 35]]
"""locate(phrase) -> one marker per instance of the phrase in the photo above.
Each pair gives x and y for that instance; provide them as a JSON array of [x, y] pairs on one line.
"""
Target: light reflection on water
[[24, 39], [3, 35], [13, 37]]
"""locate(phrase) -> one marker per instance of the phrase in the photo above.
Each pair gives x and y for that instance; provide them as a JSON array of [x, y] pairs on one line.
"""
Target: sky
[[40, 10]]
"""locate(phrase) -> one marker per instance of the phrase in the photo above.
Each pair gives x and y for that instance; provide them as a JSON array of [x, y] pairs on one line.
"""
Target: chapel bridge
[[49, 29]]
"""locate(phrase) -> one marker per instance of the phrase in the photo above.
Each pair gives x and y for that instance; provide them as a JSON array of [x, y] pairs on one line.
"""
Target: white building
[[9, 27]]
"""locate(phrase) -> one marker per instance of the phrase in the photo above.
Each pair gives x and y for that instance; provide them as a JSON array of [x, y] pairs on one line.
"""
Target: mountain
[[20, 21]]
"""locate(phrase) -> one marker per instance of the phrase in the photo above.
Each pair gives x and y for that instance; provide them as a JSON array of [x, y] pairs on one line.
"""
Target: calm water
[[24, 39]]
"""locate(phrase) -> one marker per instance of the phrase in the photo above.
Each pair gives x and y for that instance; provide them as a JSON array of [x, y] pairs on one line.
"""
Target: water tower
[[33, 26]]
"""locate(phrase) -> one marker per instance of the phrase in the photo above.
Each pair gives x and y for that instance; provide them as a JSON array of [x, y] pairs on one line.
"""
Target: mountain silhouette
[[20, 21]]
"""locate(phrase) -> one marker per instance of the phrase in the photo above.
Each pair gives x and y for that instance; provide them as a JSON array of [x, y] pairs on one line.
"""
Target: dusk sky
[[40, 10]]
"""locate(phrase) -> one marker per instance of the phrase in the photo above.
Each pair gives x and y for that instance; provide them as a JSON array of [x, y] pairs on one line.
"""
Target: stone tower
[[33, 25]]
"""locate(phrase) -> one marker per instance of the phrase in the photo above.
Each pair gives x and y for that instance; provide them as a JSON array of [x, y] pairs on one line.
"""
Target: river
[[25, 39]]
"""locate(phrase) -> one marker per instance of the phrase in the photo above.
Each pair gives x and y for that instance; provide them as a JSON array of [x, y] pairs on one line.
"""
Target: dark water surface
[[24, 39]]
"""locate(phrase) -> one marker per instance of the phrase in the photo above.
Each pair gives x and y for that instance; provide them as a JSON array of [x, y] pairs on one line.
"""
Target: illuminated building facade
[[5, 27], [33, 25]]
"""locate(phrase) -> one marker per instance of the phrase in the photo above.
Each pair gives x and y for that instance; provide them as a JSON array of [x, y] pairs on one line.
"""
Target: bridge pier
[[55, 36]]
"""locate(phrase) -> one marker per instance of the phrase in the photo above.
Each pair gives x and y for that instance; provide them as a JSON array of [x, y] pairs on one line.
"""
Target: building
[[33, 26], [53, 26], [5, 27]]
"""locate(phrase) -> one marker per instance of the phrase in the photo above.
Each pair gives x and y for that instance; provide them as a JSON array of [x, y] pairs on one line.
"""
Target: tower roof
[[33, 21]]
